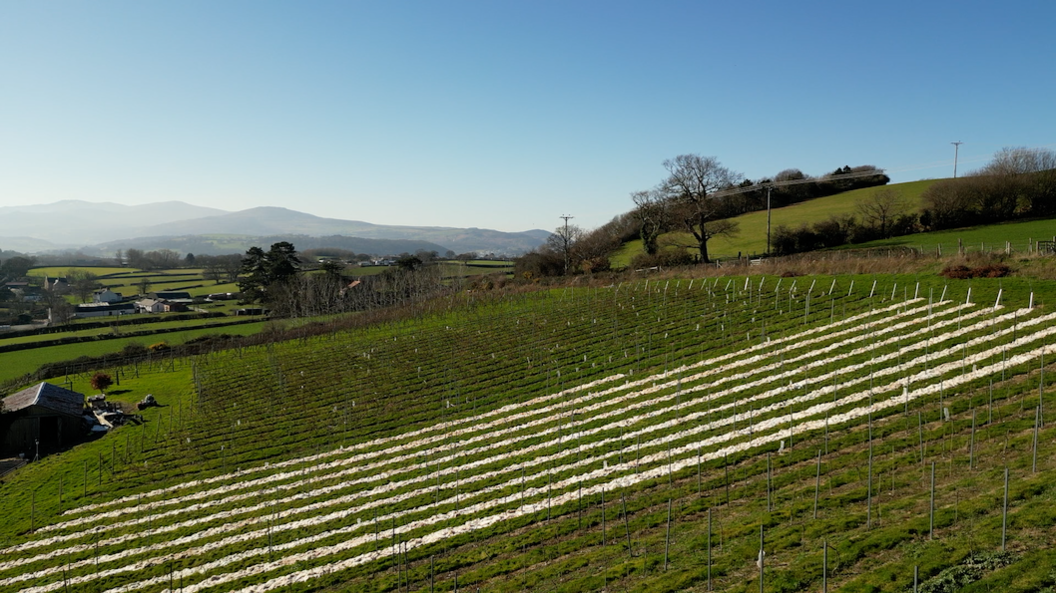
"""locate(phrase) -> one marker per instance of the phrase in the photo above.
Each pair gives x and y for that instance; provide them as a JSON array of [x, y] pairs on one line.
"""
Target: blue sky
[[499, 114]]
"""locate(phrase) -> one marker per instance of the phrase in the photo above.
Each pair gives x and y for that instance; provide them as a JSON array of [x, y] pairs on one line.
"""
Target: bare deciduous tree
[[690, 192], [82, 283], [563, 240], [650, 210]]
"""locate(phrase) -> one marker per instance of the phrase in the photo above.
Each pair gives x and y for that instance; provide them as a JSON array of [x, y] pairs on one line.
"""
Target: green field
[[15, 364], [639, 436], [751, 238], [1022, 235]]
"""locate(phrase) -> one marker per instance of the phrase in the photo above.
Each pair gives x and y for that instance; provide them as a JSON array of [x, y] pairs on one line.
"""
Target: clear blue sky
[[499, 114]]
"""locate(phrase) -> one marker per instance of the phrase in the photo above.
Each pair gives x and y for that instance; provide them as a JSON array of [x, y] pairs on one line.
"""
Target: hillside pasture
[[750, 240], [641, 436], [20, 362], [1023, 237]]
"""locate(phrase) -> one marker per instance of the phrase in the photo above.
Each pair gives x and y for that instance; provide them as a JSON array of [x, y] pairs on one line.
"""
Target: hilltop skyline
[[498, 115]]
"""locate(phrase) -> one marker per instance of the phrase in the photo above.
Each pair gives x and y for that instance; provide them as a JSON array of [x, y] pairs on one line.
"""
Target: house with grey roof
[[46, 415]]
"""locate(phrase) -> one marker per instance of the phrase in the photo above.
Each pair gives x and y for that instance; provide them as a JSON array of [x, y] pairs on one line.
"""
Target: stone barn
[[45, 412]]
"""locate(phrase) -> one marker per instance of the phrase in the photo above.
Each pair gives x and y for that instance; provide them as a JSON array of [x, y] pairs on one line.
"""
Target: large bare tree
[[691, 192], [563, 240]]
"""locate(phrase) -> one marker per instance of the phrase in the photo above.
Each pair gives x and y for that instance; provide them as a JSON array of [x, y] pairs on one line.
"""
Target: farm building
[[45, 412], [103, 309], [105, 295]]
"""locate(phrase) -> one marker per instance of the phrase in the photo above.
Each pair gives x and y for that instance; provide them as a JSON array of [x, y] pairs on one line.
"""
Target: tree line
[[698, 196], [1018, 183], [280, 280]]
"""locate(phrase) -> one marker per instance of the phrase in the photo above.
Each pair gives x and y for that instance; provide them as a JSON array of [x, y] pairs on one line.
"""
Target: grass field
[[642, 436], [992, 237], [751, 239], [15, 364]]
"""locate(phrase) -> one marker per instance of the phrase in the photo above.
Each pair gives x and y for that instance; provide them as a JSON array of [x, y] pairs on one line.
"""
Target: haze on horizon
[[498, 115]]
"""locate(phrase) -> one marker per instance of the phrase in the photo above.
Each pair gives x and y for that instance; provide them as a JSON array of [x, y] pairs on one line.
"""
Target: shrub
[[101, 381], [665, 258], [963, 272]]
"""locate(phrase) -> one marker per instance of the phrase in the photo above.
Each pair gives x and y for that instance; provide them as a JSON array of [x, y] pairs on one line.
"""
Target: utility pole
[[956, 149], [768, 188], [567, 241]]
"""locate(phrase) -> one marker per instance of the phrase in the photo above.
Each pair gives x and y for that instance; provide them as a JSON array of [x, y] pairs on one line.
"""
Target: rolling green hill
[[752, 236]]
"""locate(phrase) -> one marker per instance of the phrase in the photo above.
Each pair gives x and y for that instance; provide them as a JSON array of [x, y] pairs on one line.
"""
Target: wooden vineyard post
[[931, 506], [667, 539], [85, 495], [1004, 513], [869, 494], [817, 484], [916, 577]]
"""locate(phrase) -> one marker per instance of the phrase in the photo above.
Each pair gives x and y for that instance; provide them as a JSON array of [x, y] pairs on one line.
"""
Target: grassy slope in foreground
[[294, 401]]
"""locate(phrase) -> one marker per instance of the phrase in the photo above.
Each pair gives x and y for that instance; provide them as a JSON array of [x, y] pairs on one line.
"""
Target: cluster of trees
[[700, 197], [279, 278], [571, 250], [161, 259], [328, 292], [15, 267], [1017, 183], [220, 268], [263, 271], [792, 186]]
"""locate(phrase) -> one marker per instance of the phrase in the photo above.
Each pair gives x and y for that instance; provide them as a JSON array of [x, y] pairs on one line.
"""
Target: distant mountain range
[[101, 228]]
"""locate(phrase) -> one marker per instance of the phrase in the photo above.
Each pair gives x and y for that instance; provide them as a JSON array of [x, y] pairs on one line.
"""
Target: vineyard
[[867, 434]]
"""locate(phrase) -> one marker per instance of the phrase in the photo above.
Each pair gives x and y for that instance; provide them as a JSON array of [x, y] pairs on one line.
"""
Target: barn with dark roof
[[45, 412]]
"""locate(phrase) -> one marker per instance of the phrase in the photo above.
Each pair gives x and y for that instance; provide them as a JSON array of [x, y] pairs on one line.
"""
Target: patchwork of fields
[[629, 437]]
